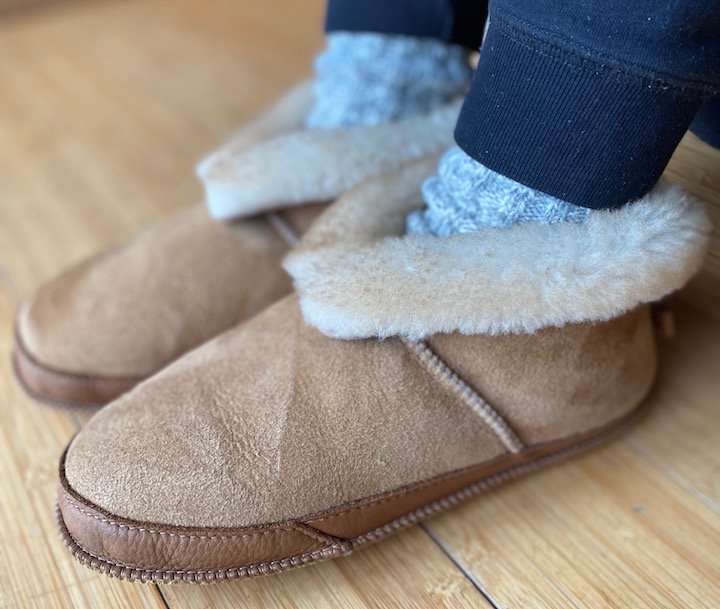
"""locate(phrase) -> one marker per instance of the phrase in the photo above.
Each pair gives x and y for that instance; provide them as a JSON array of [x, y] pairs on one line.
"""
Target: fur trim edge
[[358, 278]]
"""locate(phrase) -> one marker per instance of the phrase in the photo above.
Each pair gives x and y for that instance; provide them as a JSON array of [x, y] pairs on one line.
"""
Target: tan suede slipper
[[100, 328], [274, 446]]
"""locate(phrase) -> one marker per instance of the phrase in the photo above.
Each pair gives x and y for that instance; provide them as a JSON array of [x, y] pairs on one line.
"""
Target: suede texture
[[558, 381], [274, 421], [134, 308]]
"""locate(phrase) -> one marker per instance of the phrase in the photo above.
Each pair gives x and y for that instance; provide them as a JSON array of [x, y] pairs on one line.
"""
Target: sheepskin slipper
[[274, 445], [102, 327]]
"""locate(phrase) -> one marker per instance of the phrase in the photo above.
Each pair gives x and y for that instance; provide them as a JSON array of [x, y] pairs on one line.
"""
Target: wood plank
[[681, 437], [607, 530], [696, 166], [131, 97]]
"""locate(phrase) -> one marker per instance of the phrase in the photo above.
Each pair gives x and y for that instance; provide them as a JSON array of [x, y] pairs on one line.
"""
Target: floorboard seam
[[672, 475], [161, 594], [469, 575], [8, 288]]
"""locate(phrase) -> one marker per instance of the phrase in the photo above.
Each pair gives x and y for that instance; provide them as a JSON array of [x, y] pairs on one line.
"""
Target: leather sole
[[149, 552], [64, 389]]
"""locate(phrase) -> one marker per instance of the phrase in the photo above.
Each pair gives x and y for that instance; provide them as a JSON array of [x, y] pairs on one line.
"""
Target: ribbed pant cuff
[[567, 124]]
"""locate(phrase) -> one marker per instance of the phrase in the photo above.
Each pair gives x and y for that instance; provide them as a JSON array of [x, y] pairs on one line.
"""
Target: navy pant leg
[[586, 100]]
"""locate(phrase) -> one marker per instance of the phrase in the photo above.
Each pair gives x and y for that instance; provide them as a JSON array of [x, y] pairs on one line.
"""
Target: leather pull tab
[[664, 320]]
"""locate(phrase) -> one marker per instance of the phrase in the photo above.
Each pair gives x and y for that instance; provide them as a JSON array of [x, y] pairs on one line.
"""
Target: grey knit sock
[[466, 196], [369, 78]]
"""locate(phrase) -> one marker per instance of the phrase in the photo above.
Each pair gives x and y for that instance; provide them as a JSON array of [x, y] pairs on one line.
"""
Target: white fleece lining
[[300, 165], [357, 277], [286, 115]]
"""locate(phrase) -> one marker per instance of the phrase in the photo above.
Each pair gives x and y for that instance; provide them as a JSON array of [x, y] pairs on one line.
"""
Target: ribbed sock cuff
[[565, 122], [366, 78]]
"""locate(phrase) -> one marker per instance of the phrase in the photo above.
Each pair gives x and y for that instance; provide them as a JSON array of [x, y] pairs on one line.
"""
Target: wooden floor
[[104, 109]]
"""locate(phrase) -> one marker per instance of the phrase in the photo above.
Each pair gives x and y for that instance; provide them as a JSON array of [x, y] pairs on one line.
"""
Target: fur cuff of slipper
[[358, 277], [304, 166], [286, 115]]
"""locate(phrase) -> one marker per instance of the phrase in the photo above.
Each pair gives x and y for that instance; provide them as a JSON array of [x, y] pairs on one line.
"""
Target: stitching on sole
[[116, 569], [444, 503]]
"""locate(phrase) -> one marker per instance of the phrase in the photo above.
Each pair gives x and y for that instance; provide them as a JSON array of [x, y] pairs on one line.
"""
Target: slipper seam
[[434, 364]]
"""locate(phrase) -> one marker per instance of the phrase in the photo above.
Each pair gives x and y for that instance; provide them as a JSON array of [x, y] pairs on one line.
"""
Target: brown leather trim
[[187, 551], [154, 552], [65, 389]]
